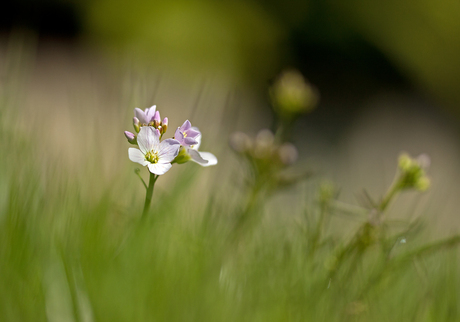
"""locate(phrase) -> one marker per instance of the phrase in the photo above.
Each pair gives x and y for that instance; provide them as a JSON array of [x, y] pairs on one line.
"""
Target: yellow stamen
[[151, 157]]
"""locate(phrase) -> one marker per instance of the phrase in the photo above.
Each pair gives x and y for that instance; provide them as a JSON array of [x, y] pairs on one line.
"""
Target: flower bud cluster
[[292, 95], [149, 117], [269, 159], [264, 149], [413, 172]]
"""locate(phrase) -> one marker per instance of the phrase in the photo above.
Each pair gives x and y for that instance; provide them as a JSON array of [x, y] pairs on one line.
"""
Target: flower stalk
[[149, 194]]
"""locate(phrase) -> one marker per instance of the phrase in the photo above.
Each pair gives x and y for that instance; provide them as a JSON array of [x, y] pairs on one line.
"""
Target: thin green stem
[[137, 171], [148, 195], [390, 194]]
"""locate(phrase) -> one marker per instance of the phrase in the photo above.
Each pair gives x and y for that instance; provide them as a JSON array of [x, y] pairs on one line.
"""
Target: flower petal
[[189, 141], [159, 168], [196, 157], [179, 136], [136, 155], [169, 149], [140, 114], [150, 113], [211, 158], [187, 125], [148, 139], [191, 133]]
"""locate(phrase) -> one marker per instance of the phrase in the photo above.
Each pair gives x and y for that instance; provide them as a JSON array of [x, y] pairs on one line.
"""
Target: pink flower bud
[[287, 153], [156, 119], [131, 137]]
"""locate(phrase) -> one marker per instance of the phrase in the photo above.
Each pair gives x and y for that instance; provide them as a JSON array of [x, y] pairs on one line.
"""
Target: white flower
[[157, 156], [204, 159]]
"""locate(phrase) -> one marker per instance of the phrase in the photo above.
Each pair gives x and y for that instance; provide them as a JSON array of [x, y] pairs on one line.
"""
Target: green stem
[[149, 193], [390, 194]]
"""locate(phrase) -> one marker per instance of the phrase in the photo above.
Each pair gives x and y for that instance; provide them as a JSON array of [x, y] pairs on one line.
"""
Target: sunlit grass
[[73, 246]]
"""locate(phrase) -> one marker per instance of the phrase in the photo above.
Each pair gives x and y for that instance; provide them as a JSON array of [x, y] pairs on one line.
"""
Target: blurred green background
[[387, 72], [71, 73], [416, 42]]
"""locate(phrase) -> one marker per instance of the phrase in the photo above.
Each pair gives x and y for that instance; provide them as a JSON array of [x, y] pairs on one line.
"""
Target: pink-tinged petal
[[159, 168], [165, 121], [179, 136], [193, 133], [187, 125], [137, 156], [169, 149], [196, 157], [211, 158], [150, 113], [140, 115], [148, 139], [189, 141]]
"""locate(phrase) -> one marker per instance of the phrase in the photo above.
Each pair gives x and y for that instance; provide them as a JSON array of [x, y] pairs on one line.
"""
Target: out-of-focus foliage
[[252, 39], [422, 38], [236, 38]]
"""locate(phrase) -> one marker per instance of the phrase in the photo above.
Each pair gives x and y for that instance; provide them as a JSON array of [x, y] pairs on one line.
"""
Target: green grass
[[73, 246]]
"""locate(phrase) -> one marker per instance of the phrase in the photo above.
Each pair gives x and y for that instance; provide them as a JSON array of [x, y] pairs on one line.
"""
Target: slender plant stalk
[[148, 195]]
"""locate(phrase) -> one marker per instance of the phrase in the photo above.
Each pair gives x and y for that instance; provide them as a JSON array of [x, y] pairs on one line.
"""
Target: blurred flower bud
[[240, 142], [423, 184], [291, 94], [264, 144], [404, 162], [424, 160], [136, 124], [131, 137], [287, 153], [413, 172]]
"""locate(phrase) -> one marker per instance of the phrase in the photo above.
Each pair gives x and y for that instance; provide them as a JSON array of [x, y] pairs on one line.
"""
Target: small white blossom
[[153, 153]]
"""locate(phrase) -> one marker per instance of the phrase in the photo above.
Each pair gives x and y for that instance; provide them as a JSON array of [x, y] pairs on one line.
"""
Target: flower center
[[185, 134], [152, 157]]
